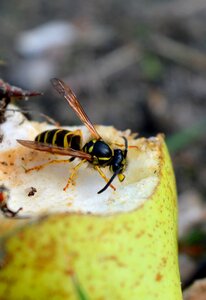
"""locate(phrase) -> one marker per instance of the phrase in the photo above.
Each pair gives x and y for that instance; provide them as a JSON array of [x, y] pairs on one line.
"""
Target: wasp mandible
[[64, 142]]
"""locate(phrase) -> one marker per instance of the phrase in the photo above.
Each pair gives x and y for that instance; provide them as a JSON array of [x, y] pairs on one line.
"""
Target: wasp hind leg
[[54, 161]]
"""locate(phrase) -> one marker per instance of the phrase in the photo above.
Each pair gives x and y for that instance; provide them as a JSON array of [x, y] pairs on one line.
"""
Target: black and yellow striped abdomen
[[61, 138]]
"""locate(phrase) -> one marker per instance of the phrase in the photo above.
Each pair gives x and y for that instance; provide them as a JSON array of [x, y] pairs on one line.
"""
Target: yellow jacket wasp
[[65, 142]]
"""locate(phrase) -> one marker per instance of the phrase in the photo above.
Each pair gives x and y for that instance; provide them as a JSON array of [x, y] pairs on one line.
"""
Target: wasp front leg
[[104, 176]]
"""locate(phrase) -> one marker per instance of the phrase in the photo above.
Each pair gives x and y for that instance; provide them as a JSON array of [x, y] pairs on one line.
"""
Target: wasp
[[69, 143]]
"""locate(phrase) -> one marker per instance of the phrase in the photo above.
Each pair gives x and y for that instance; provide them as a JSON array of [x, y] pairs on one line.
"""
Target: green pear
[[117, 245]]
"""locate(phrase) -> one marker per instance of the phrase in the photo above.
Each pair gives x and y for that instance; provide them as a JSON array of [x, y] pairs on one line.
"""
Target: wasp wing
[[65, 91], [55, 149]]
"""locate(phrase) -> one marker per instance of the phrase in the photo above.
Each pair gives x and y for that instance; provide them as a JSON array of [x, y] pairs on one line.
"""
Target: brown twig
[[110, 64], [173, 9], [177, 52]]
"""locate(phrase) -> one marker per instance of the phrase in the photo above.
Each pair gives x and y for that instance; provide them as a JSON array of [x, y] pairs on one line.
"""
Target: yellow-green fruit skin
[[125, 256]]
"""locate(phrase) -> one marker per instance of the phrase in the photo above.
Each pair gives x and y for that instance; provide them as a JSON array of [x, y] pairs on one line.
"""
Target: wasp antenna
[[125, 142], [109, 182]]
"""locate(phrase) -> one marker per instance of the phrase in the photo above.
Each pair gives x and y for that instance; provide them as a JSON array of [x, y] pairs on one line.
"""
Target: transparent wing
[[55, 149], [65, 91]]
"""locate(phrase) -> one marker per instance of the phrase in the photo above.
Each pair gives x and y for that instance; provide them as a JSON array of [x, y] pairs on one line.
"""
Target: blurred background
[[134, 64]]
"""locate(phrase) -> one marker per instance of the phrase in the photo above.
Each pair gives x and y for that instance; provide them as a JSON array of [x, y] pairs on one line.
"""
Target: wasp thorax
[[100, 151]]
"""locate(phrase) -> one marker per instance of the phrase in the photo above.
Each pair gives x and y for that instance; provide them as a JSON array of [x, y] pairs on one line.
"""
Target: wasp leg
[[104, 176], [73, 174], [54, 161], [129, 146]]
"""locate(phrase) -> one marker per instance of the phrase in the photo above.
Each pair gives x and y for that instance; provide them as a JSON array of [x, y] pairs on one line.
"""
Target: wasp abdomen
[[61, 137]]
